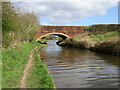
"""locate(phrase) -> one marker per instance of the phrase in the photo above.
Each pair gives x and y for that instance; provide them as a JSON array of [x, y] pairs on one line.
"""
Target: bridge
[[61, 31]]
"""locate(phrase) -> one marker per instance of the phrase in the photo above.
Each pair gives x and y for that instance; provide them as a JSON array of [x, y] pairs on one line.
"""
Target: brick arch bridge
[[61, 31]]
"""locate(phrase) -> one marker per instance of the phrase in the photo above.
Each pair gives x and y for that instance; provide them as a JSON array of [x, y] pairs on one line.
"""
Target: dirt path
[[27, 69]]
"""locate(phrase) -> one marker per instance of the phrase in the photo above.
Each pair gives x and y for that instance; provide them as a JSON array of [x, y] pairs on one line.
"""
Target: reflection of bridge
[[61, 31]]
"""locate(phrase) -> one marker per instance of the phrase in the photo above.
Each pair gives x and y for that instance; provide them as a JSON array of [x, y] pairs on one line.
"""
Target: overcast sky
[[73, 12]]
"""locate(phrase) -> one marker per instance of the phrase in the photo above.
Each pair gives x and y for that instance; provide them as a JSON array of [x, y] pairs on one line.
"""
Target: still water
[[75, 68]]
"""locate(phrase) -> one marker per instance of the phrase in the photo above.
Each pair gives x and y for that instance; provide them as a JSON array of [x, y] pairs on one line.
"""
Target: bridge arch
[[64, 36]]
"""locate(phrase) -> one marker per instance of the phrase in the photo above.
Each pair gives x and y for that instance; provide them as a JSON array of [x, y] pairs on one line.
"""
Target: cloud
[[67, 12]]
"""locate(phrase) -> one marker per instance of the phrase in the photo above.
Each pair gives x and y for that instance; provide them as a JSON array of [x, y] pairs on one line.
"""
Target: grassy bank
[[107, 43], [109, 36], [0, 67], [18, 27], [108, 47], [39, 76], [14, 61], [102, 28], [75, 44], [98, 38]]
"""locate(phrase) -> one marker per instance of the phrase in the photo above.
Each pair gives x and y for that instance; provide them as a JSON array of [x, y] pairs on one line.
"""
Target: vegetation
[[39, 77], [104, 32], [100, 33], [42, 40], [0, 45], [18, 31], [17, 39], [0, 68], [103, 28], [14, 62], [0, 24], [107, 47], [17, 26], [99, 38], [110, 36]]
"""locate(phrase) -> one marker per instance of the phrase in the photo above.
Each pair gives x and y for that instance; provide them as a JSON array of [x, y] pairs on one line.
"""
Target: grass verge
[[0, 68], [110, 36], [14, 62], [39, 76], [107, 43]]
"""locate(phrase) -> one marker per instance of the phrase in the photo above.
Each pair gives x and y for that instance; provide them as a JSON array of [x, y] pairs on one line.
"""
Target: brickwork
[[68, 30]]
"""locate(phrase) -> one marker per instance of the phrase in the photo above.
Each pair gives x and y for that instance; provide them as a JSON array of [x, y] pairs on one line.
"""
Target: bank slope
[[14, 61], [39, 76], [98, 38]]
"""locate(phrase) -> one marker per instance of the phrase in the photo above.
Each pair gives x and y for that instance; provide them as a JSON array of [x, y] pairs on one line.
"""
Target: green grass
[[110, 36], [42, 40], [14, 62], [39, 76], [0, 68]]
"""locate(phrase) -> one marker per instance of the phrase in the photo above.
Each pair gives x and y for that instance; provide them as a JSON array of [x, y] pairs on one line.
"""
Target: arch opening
[[63, 36]]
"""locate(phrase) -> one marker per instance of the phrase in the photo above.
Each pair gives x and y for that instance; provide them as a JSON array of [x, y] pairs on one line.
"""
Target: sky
[[72, 12]]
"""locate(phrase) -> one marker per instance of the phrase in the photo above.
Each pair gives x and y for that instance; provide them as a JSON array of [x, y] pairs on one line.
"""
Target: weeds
[[14, 62], [0, 68], [39, 76], [110, 36]]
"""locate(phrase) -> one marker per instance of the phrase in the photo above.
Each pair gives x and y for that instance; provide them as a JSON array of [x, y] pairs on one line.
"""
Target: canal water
[[75, 68]]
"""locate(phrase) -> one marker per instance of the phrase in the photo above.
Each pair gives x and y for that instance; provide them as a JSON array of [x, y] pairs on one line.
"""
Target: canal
[[75, 68]]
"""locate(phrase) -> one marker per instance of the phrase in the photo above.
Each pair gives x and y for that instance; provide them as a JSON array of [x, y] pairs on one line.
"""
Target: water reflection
[[75, 68]]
